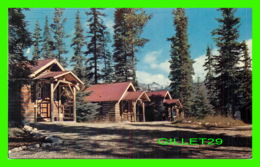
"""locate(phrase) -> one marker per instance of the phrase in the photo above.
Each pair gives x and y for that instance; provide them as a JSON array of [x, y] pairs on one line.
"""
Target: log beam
[[143, 106], [74, 104], [134, 110], [52, 103]]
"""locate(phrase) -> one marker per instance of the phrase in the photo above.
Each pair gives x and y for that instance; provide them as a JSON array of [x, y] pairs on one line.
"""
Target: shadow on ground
[[117, 142]]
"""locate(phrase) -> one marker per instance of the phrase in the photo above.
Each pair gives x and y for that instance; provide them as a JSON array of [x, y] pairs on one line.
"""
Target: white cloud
[[28, 50], [249, 45], [215, 52], [199, 61], [151, 59], [147, 78], [164, 66], [199, 70], [109, 24], [198, 67]]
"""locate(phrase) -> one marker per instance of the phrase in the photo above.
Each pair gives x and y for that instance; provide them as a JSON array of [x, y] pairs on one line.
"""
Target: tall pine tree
[[181, 69], [129, 24], [96, 51], [120, 54], [77, 43], [19, 38], [37, 39], [210, 81], [47, 42], [245, 72], [108, 71], [227, 80], [59, 35]]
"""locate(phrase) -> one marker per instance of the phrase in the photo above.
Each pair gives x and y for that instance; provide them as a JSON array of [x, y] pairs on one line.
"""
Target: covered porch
[[132, 106], [55, 96], [173, 109]]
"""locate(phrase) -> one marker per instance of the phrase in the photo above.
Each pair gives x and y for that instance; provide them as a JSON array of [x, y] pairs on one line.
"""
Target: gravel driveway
[[138, 140]]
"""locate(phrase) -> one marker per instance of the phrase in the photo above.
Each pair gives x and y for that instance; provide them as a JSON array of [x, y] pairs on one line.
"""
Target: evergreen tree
[[59, 35], [47, 42], [227, 80], [77, 44], [209, 79], [129, 24], [200, 107], [96, 51], [86, 111], [181, 69], [37, 39], [19, 38], [245, 73], [120, 54], [108, 70]]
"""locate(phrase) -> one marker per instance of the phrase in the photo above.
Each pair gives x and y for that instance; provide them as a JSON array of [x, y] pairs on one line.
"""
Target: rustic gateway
[[51, 95], [119, 101]]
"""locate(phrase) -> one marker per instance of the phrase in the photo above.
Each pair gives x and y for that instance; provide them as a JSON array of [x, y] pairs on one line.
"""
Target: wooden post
[[59, 103], [74, 104], [134, 110], [35, 103], [52, 103], [143, 106], [171, 109], [177, 112]]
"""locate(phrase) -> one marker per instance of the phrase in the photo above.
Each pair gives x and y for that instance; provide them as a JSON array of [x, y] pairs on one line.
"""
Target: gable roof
[[173, 101], [108, 92], [57, 74], [40, 65], [51, 74], [162, 93], [136, 96]]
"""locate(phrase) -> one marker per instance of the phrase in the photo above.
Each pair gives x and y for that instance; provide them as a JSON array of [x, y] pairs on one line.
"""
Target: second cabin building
[[119, 101], [163, 107]]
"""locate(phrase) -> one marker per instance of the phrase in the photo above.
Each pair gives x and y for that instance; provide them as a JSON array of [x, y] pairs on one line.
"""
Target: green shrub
[[86, 111]]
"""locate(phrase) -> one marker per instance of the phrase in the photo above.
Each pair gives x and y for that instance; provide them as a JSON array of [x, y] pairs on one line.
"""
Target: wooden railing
[[127, 117], [68, 111]]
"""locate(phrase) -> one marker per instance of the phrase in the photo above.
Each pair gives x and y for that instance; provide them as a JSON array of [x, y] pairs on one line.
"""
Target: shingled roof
[[39, 64], [157, 93], [136, 95], [108, 92], [173, 101], [51, 74]]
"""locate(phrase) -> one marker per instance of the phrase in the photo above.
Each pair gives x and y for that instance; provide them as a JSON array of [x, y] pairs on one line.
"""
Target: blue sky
[[153, 58]]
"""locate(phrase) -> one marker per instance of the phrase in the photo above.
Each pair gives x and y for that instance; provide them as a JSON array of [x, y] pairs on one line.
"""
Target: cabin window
[[39, 92], [45, 92]]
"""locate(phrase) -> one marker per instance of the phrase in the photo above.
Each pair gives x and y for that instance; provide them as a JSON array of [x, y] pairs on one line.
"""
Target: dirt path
[[139, 140]]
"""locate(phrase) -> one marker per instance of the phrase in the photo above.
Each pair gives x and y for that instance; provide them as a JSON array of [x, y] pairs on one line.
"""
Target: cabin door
[[43, 102], [139, 112]]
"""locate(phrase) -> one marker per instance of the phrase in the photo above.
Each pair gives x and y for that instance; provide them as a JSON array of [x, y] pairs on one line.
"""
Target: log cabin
[[118, 101], [50, 96], [162, 100]]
